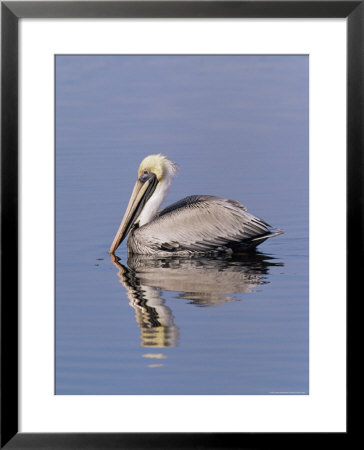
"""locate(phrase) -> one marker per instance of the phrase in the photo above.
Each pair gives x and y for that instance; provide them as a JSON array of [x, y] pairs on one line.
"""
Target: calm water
[[237, 126]]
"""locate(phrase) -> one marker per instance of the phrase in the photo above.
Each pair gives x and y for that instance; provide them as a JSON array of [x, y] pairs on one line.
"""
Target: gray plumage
[[200, 224]]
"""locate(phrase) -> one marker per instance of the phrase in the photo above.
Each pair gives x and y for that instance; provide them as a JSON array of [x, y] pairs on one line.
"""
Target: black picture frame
[[11, 12]]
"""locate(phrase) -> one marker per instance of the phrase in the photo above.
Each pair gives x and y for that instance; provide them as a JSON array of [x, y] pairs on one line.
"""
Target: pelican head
[[155, 175]]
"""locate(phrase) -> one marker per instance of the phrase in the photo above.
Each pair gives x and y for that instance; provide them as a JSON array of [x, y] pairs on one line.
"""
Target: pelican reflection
[[208, 281], [154, 318]]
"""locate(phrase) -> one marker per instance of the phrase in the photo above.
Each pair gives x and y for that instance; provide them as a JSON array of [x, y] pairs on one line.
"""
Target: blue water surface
[[237, 126]]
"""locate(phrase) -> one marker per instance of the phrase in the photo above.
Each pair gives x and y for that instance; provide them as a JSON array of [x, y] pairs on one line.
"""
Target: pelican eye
[[145, 175]]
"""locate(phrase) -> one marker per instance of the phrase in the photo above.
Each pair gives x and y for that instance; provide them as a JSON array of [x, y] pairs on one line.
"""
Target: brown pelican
[[198, 224]]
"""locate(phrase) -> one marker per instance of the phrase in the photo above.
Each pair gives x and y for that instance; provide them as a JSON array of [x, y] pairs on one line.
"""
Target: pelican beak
[[143, 189]]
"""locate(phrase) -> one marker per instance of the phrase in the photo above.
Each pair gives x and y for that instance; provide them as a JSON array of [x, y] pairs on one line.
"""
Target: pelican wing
[[204, 223]]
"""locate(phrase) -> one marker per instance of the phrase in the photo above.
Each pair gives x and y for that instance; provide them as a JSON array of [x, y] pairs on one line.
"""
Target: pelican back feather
[[200, 224]]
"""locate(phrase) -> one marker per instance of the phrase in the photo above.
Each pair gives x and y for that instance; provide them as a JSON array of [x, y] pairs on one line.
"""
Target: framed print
[[189, 334]]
